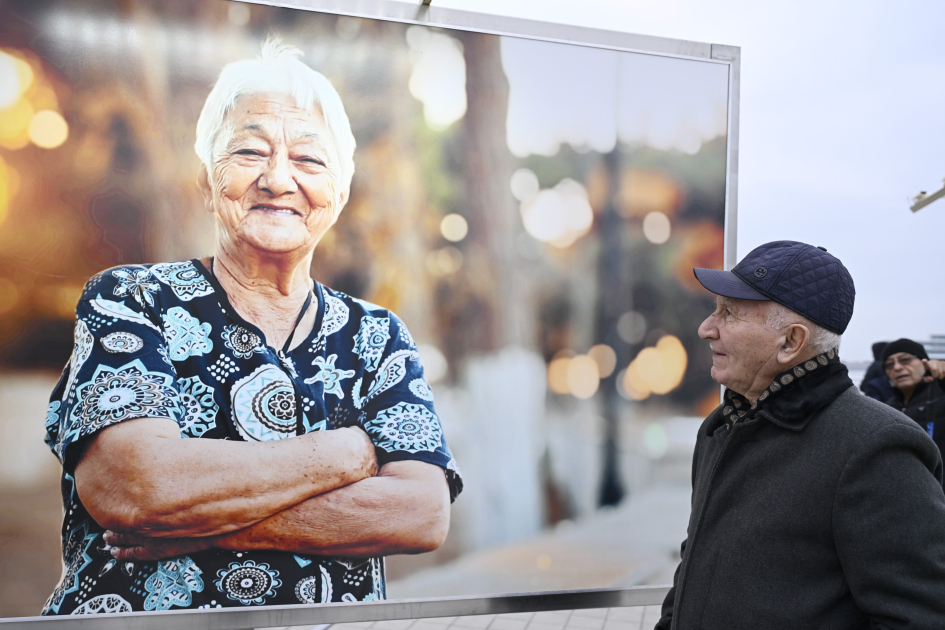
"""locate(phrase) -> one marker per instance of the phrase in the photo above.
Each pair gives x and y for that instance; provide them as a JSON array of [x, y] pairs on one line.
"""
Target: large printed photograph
[[300, 308]]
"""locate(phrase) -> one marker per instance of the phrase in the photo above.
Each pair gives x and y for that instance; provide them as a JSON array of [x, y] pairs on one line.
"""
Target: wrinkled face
[[274, 186], [904, 370], [744, 349]]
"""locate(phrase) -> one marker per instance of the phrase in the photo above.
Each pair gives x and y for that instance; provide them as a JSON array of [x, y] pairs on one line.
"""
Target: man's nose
[[707, 329], [278, 179]]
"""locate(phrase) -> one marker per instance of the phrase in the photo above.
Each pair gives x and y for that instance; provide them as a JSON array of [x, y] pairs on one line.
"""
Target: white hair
[[821, 339], [278, 70]]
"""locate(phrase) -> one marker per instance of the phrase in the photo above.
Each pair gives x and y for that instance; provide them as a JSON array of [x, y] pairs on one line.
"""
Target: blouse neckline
[[224, 301]]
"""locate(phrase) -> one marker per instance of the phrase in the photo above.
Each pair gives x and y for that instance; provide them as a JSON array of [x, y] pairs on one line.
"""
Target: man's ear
[[796, 338], [203, 183]]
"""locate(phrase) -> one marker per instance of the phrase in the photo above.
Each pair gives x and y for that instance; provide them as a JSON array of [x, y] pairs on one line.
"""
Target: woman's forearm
[[405, 509], [141, 477]]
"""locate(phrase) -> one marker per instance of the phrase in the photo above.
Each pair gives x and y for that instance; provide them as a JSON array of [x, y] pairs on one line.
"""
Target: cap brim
[[727, 284]]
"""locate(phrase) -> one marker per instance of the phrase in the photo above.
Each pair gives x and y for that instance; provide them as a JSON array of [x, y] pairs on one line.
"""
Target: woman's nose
[[277, 179]]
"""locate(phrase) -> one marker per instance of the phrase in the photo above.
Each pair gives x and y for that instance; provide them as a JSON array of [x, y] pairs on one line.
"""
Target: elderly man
[[233, 433], [812, 506], [917, 386]]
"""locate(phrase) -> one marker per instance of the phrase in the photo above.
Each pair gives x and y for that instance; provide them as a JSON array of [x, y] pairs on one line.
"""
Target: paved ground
[[634, 618]]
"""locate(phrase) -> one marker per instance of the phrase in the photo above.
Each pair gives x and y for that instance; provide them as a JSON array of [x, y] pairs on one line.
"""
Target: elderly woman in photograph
[[231, 432]]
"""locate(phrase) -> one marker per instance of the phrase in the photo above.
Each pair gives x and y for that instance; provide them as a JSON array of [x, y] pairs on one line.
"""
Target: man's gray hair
[[278, 70], [821, 339]]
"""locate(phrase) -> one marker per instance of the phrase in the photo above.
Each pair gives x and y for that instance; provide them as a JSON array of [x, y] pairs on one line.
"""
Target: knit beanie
[[904, 345]]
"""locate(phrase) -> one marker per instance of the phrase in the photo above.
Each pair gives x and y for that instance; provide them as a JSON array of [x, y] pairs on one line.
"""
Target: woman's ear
[[203, 183], [796, 339]]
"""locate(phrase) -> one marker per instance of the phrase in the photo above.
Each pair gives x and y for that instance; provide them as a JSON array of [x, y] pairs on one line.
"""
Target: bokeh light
[[48, 129], [631, 327], [605, 358], [15, 77], [433, 362], [238, 13], [656, 370], [444, 261], [454, 228], [582, 376], [559, 215], [524, 184], [655, 440], [14, 122], [656, 228], [558, 375], [439, 76]]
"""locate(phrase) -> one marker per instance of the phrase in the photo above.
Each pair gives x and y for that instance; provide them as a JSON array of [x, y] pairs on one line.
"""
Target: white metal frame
[[270, 616]]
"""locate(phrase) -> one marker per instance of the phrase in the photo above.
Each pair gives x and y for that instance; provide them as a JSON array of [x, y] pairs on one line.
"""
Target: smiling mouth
[[276, 210]]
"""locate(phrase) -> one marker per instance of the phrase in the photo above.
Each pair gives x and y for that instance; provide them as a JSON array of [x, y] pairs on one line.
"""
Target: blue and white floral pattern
[[264, 405], [248, 582], [111, 308], [173, 584], [242, 342], [371, 340], [184, 278], [130, 391], [104, 604], [329, 375], [53, 426], [405, 336], [121, 341], [76, 557], [405, 427], [420, 389], [80, 353], [198, 407], [390, 373], [136, 282], [185, 335]]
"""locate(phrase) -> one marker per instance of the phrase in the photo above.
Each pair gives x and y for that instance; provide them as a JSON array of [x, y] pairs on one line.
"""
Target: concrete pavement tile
[[625, 613], [393, 624], [523, 616], [624, 625], [584, 623], [354, 625], [599, 613], [507, 624], [537, 625], [428, 624], [559, 617], [473, 621]]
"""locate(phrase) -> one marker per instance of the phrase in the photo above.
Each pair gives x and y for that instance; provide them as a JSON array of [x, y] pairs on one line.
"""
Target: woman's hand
[[134, 547]]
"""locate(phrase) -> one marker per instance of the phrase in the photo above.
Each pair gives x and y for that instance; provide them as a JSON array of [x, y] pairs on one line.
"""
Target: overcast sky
[[842, 121]]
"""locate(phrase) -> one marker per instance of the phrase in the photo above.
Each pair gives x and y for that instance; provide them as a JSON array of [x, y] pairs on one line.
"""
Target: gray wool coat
[[831, 519]]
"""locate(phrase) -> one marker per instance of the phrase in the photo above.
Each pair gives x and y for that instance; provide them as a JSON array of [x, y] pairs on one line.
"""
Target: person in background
[[874, 383], [918, 390], [813, 506]]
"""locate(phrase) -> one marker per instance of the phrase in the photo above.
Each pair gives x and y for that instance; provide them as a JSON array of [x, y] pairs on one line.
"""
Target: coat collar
[[792, 398]]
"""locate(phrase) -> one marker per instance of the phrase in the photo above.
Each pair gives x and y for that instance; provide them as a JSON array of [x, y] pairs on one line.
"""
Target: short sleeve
[[119, 368], [397, 404]]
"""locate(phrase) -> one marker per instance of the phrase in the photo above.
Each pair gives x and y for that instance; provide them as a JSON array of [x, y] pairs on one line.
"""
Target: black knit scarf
[[793, 394]]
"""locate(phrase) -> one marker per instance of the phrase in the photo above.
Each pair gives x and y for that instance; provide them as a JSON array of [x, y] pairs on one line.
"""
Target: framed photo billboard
[[509, 266]]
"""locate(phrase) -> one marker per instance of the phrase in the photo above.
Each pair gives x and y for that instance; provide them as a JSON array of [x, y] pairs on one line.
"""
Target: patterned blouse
[[163, 341]]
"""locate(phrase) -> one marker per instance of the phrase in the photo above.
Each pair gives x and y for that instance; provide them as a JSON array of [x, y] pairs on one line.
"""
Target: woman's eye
[[310, 160], [253, 152]]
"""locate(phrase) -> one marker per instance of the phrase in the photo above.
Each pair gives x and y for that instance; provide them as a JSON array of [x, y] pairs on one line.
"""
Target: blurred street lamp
[[922, 199]]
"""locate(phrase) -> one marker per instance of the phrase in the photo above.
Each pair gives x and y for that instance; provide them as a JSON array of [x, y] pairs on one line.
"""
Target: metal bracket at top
[[426, 3]]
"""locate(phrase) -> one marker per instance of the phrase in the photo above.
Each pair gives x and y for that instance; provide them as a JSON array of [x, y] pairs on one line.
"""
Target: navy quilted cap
[[804, 278]]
